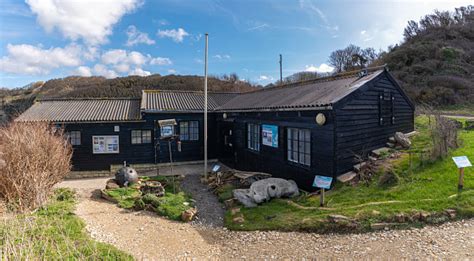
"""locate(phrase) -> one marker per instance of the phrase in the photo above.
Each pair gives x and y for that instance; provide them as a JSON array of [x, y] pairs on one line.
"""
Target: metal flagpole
[[205, 108]]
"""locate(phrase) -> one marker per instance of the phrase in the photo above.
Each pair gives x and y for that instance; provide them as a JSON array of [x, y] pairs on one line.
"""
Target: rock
[[391, 139], [401, 218], [234, 211], [338, 218], [390, 145], [152, 187], [265, 189], [359, 166], [384, 226], [188, 214], [125, 176], [403, 140], [230, 203], [347, 177], [239, 220], [423, 216], [378, 152], [451, 213], [111, 184]]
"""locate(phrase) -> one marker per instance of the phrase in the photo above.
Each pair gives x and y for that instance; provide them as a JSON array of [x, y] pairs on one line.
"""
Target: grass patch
[[171, 205], [224, 192], [428, 187], [53, 232], [458, 109]]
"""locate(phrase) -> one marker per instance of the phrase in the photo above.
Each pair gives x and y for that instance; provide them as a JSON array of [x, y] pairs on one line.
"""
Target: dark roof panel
[[182, 101], [83, 110], [300, 95]]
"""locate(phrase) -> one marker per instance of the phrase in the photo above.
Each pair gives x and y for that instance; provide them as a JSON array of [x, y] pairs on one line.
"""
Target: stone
[[234, 211], [401, 218], [152, 187], [375, 213], [126, 176], [382, 226], [111, 184], [230, 203], [338, 218], [239, 220], [266, 189], [451, 213], [347, 177], [391, 139], [188, 214], [403, 140], [378, 152], [359, 166]]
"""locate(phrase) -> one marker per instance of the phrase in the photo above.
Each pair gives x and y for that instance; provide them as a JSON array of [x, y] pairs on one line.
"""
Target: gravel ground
[[210, 210], [150, 237]]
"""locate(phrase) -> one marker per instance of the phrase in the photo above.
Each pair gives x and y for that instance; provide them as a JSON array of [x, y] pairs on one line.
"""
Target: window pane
[[146, 136], [136, 136]]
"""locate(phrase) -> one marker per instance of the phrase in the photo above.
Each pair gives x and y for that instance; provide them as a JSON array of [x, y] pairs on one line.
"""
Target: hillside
[[17, 100], [435, 63]]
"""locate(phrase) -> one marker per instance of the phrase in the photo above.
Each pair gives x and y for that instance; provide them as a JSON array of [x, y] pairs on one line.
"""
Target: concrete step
[[347, 177], [359, 166], [380, 151]]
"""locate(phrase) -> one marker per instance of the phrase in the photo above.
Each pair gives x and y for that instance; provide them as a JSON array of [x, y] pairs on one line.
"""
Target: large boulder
[[266, 189], [125, 176], [403, 140]]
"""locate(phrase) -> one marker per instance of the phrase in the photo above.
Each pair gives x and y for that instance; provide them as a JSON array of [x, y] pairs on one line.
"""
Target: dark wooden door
[[226, 144]]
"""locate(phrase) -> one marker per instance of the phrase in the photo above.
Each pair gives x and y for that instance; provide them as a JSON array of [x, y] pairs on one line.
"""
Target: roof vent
[[363, 73]]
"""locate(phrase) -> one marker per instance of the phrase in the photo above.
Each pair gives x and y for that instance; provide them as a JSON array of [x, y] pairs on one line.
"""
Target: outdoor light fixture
[[320, 119], [224, 115]]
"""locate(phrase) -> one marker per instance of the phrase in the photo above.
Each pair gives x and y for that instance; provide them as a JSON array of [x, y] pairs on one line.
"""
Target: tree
[[352, 58]]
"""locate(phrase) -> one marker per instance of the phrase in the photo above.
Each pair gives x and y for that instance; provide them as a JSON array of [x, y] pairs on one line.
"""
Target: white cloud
[[222, 56], [100, 69], [172, 71], [258, 27], [89, 20], [139, 72], [160, 61], [176, 35], [82, 71], [33, 60], [323, 68], [119, 56], [365, 36], [311, 8], [264, 78], [137, 37]]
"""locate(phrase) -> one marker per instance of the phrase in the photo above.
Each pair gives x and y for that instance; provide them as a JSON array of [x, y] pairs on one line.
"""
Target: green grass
[[225, 192], [53, 232], [463, 109], [171, 205], [428, 187]]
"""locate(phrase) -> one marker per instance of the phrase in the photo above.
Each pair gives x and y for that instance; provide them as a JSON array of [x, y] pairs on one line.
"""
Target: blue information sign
[[270, 135], [322, 182]]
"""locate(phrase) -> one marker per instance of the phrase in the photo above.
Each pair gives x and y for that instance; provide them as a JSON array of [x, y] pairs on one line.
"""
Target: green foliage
[[126, 196], [388, 178], [53, 233], [172, 205], [64, 194], [225, 192], [151, 199], [429, 187]]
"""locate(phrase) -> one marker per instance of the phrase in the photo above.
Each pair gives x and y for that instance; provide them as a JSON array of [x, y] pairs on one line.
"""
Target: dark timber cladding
[[271, 130]]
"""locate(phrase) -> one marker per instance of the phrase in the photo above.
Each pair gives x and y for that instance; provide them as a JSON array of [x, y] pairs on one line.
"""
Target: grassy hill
[[435, 63]]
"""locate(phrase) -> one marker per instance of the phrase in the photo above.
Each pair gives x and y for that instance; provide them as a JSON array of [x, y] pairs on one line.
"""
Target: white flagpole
[[205, 108]]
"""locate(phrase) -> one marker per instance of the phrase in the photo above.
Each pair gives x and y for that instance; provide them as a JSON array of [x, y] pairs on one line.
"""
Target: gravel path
[[150, 237], [210, 210]]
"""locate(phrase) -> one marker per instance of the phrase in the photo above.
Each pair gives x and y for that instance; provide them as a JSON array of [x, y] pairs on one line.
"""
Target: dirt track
[[148, 236]]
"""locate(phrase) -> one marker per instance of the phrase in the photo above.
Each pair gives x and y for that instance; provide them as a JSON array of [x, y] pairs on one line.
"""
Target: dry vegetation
[[35, 157]]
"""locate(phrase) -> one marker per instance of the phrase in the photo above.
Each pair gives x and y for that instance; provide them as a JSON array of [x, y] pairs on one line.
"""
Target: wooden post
[[321, 199], [461, 178]]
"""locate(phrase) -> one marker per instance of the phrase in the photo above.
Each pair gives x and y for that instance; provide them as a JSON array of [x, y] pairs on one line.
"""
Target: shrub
[[388, 178], [172, 205], [151, 199], [36, 156]]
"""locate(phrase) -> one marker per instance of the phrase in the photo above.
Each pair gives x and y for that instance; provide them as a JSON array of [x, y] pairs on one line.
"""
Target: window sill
[[299, 165]]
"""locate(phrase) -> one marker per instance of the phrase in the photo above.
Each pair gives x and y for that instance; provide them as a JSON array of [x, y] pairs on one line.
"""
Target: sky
[[45, 39]]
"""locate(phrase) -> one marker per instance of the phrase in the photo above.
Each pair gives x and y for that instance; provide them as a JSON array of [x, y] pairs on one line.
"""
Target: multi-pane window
[[299, 146], [253, 136], [74, 137], [141, 136], [189, 130]]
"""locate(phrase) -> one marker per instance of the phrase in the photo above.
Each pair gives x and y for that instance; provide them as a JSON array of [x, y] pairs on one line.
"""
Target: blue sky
[[44, 39]]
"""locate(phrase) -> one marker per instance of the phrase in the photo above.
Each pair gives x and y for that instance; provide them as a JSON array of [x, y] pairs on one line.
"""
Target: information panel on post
[[322, 182]]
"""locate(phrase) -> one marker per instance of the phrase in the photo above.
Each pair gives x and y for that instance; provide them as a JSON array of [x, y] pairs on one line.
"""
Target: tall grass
[[34, 157]]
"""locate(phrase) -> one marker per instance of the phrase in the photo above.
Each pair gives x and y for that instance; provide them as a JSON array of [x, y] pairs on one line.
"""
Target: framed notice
[[322, 182], [270, 135], [105, 144]]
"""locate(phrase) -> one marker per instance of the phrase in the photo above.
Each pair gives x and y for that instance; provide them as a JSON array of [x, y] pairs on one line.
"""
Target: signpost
[[461, 162], [323, 183]]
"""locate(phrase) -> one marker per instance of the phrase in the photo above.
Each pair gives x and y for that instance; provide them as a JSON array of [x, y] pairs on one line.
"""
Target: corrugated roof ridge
[[188, 91], [88, 99], [336, 77]]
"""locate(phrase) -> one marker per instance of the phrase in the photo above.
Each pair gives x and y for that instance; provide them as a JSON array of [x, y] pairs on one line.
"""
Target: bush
[[151, 199], [35, 156], [64, 194], [389, 178], [172, 205]]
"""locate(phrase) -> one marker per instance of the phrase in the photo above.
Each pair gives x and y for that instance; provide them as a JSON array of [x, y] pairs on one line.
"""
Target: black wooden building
[[294, 131]]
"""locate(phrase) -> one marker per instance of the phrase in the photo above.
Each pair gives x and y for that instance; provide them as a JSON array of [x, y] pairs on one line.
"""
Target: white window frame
[[299, 146], [189, 130], [140, 137], [74, 137], [253, 136]]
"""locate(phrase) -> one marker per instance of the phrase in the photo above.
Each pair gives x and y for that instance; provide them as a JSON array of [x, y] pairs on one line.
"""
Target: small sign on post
[[461, 162], [323, 183]]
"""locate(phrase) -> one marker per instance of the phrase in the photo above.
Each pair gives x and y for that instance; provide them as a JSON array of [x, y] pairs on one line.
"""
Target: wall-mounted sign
[[320, 119], [462, 162], [167, 127], [116, 128], [270, 135], [322, 182], [105, 144]]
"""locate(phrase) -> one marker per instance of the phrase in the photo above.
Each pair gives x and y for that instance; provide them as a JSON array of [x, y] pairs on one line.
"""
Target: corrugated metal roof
[[83, 110], [182, 101], [317, 93]]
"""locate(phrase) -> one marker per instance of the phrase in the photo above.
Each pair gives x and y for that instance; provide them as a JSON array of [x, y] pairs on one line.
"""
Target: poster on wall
[[105, 144], [270, 135]]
